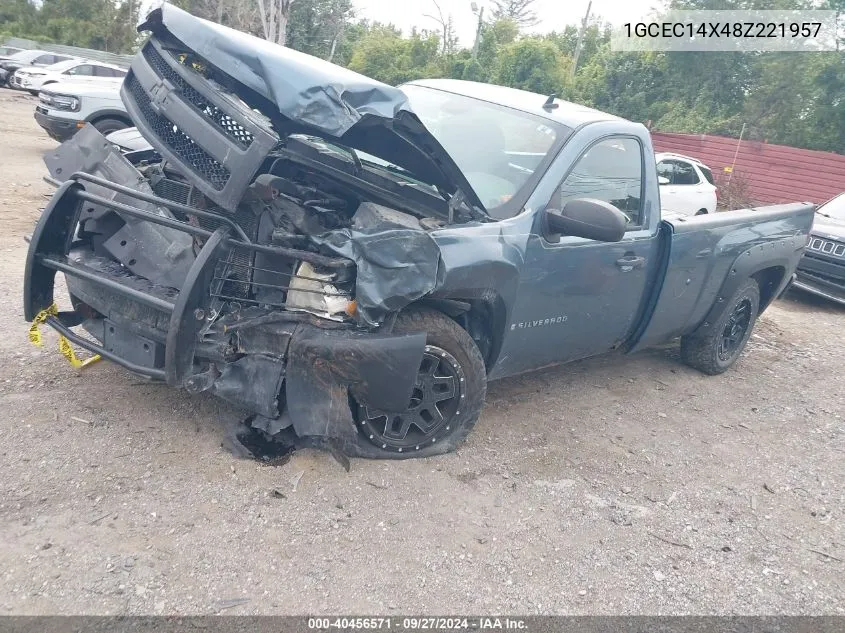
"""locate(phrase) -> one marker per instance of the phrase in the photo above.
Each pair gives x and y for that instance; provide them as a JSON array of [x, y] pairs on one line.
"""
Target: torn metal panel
[[253, 383], [324, 367], [154, 252], [395, 267]]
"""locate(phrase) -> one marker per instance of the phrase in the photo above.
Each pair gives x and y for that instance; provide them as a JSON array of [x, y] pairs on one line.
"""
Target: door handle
[[630, 262]]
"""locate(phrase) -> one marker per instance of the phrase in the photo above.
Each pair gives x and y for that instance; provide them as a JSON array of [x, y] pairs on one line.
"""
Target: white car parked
[[686, 185], [67, 106], [77, 70]]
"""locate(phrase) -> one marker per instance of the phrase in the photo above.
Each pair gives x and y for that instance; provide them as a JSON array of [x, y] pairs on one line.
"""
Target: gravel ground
[[617, 485]]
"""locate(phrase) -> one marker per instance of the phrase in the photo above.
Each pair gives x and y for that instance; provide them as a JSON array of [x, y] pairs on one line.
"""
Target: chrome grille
[[826, 247]]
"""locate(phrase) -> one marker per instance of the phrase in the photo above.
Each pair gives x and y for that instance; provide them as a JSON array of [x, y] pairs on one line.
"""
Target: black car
[[822, 269]]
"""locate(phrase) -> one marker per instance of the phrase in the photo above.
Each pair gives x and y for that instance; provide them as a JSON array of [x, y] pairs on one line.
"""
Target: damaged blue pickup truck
[[352, 263]]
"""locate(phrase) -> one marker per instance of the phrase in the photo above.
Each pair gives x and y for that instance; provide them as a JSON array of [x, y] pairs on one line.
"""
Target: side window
[[47, 60], [685, 174], [102, 71], [678, 172], [666, 170], [612, 171], [83, 69]]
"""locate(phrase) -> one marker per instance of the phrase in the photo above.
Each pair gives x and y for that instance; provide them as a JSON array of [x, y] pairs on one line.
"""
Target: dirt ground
[[618, 485]]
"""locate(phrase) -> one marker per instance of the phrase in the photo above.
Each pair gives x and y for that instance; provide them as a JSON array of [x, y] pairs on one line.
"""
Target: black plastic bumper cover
[[325, 366]]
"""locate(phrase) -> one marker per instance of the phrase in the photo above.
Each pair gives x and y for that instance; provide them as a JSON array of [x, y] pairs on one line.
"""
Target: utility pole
[[580, 41], [477, 30], [736, 153]]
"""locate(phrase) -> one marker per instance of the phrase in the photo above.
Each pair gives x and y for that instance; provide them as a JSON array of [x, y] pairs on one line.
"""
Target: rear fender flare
[[780, 253]]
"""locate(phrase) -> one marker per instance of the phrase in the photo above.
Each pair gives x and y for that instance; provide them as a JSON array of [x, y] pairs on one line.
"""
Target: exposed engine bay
[[282, 325], [258, 250]]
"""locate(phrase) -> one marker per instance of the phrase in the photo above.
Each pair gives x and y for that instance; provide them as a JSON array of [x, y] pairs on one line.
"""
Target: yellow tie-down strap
[[64, 344]]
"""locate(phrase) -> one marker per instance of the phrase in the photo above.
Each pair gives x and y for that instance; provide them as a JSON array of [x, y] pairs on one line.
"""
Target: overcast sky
[[553, 14]]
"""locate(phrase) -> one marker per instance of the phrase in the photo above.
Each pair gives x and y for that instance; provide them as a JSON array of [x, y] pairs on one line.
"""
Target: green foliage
[[532, 64], [316, 26], [387, 56], [99, 24], [790, 98], [519, 11]]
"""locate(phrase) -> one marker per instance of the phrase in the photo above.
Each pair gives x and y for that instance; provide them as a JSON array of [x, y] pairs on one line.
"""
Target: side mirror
[[663, 180], [592, 219]]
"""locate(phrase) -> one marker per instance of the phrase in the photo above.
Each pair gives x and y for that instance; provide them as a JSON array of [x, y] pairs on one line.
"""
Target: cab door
[[581, 297]]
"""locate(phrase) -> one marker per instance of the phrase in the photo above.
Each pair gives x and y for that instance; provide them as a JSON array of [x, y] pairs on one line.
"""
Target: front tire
[[107, 126], [714, 350], [447, 399]]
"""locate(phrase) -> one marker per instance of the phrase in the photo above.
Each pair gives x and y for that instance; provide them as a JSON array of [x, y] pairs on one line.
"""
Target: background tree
[[274, 16], [448, 39], [533, 64], [520, 11], [780, 97], [317, 26]]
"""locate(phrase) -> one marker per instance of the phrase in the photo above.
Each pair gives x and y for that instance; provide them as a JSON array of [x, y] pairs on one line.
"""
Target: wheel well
[[116, 117], [483, 319], [768, 279]]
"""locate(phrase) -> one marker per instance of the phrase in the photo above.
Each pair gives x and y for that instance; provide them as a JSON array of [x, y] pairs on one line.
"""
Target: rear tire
[[107, 126], [447, 399], [701, 212], [714, 349]]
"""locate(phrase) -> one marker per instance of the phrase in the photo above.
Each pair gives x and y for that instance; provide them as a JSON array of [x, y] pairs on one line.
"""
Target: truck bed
[[707, 255]]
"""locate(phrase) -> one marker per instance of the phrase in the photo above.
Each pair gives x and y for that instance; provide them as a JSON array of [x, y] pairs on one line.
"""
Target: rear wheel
[[701, 212], [715, 349], [446, 401], [107, 126]]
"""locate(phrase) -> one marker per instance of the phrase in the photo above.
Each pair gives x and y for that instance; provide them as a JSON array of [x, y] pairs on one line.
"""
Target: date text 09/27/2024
[[416, 623]]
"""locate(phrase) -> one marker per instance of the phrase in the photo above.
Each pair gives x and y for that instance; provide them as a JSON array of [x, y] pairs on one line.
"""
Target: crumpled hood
[[318, 97]]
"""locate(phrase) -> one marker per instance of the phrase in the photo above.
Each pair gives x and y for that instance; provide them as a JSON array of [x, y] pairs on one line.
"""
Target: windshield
[[497, 148], [25, 56], [834, 209]]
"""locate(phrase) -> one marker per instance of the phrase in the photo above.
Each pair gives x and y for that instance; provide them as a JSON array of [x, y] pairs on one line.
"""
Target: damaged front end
[[243, 256]]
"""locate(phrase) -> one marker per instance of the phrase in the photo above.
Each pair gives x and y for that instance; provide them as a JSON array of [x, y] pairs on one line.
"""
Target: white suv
[[33, 79], [65, 107], [686, 186]]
